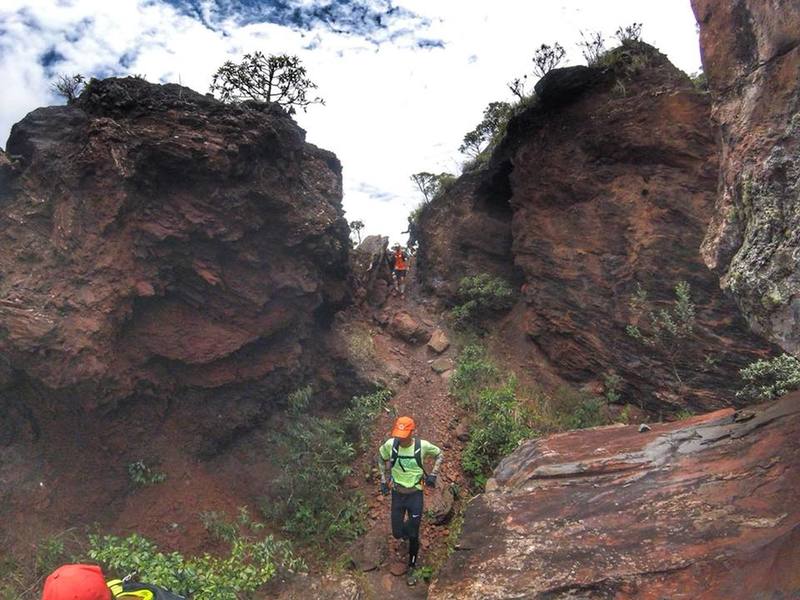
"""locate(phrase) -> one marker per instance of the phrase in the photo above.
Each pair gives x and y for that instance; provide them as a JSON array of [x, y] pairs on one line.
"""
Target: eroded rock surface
[[704, 508], [606, 185], [751, 56], [160, 244]]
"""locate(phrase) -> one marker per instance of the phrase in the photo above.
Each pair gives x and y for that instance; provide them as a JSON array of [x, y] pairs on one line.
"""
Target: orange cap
[[76, 582], [403, 427]]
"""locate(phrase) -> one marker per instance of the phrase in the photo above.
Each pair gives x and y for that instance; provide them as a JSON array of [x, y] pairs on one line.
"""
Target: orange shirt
[[400, 261]]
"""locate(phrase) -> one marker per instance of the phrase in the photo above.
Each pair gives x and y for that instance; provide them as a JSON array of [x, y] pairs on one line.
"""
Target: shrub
[[473, 372], [317, 454], [489, 130], [547, 58], [142, 475], [361, 413], [612, 384], [69, 87], [592, 46], [574, 409], [667, 329], [480, 295], [770, 378], [500, 423], [249, 566], [629, 33]]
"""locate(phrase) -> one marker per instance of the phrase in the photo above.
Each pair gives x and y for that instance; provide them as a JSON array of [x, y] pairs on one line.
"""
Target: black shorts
[[400, 273], [402, 504]]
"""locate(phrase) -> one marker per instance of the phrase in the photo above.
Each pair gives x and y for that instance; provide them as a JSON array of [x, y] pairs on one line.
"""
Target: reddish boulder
[[158, 240], [704, 508], [751, 57], [439, 341], [408, 328]]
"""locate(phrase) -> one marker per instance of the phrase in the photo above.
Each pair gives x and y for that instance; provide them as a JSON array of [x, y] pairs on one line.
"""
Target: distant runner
[[406, 455], [400, 269]]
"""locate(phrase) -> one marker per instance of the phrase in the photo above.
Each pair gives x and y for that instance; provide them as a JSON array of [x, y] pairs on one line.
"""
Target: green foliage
[[666, 330], [142, 474], [500, 423], [474, 372], [574, 409], [683, 414], [431, 185], [480, 296], [699, 80], [592, 46], [250, 564], [68, 87], [612, 384], [769, 378], [629, 33], [360, 415], [495, 119], [275, 78], [317, 454], [546, 58]]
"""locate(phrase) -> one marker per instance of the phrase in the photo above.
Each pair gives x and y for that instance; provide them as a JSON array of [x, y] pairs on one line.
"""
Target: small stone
[[643, 428], [440, 365]]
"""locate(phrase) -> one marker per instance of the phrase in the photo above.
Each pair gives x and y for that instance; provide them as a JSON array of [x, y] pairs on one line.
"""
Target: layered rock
[[159, 243], [704, 508], [751, 57], [603, 184]]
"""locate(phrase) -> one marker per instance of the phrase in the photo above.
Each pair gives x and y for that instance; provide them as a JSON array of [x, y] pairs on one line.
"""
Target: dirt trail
[[424, 396]]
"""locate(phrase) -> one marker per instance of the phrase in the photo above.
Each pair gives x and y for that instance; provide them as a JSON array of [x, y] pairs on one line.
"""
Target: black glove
[[384, 488], [430, 480]]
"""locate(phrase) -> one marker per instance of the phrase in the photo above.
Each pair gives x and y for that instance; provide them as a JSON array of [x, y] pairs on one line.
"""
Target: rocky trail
[[377, 561]]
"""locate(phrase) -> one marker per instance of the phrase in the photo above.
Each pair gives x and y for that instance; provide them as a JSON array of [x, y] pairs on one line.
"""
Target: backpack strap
[[417, 454]]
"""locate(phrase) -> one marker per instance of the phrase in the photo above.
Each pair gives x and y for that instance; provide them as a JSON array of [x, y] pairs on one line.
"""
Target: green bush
[[575, 409], [474, 371], [500, 423], [249, 566], [480, 296], [770, 378], [142, 474], [360, 415], [316, 455], [665, 330]]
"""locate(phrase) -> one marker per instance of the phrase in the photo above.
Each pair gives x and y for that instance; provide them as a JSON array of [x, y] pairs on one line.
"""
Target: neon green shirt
[[406, 472]]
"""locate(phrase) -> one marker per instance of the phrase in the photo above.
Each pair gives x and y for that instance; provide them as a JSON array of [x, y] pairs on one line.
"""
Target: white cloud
[[392, 108]]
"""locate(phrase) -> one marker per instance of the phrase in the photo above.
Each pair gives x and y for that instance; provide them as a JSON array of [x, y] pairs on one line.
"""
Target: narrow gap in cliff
[[496, 195]]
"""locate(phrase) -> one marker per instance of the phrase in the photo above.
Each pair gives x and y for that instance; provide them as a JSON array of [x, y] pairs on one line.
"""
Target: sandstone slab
[[704, 508]]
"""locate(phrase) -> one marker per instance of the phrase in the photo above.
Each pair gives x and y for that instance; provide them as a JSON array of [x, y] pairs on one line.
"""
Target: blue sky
[[403, 80]]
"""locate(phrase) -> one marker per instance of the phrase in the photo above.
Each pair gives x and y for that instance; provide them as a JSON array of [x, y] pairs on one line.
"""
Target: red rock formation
[[605, 182], [704, 509], [159, 243], [751, 56]]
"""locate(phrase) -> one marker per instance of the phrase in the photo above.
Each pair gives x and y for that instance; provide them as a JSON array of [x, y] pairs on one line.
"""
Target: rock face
[[606, 184], [705, 508], [158, 243], [373, 277], [751, 56]]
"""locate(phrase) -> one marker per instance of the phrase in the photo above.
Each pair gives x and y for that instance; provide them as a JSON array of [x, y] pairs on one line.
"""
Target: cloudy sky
[[403, 80]]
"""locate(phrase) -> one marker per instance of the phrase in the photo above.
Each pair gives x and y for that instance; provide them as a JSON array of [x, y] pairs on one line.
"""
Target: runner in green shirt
[[406, 455]]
